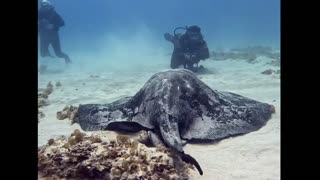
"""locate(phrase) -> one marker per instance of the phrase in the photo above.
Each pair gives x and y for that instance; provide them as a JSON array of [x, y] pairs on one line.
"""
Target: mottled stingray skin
[[177, 105]]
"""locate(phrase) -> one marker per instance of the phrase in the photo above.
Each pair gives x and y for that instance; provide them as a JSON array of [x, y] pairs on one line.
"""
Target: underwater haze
[[109, 32], [116, 46]]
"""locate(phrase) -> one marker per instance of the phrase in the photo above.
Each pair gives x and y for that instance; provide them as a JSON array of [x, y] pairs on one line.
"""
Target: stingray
[[175, 107]]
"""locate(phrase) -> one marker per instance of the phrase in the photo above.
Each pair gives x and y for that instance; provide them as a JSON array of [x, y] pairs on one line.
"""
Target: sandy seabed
[[253, 156]]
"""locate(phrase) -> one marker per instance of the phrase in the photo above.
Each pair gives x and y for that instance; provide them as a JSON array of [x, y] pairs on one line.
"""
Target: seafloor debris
[[67, 112], [43, 96], [49, 89], [83, 156], [42, 102], [232, 55], [250, 53], [58, 84], [94, 76], [43, 99], [275, 74], [40, 115], [268, 72]]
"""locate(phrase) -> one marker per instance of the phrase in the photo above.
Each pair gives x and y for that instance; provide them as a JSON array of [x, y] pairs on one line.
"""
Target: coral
[[40, 115], [50, 142], [49, 89], [49, 85], [44, 94], [42, 102], [95, 139], [143, 137], [122, 139], [62, 115], [83, 156], [69, 112], [42, 99]]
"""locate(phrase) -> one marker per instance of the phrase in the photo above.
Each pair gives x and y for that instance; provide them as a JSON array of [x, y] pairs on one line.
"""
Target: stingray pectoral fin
[[237, 121], [93, 117], [114, 117]]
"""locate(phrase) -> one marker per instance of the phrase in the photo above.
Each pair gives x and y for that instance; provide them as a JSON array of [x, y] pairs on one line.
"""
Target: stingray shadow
[[209, 141]]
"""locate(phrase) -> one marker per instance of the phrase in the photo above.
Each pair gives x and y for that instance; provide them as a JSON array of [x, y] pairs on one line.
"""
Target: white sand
[[253, 156]]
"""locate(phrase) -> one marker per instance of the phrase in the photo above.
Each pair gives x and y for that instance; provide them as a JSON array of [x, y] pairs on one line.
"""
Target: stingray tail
[[189, 159]]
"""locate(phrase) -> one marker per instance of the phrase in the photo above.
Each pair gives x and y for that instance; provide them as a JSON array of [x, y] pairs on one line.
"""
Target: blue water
[[111, 28], [117, 45]]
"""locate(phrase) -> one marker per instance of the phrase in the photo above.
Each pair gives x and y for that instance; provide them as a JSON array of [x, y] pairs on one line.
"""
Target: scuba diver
[[49, 23], [189, 48]]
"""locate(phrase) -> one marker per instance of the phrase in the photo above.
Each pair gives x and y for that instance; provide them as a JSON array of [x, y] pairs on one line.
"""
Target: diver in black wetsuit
[[189, 48], [49, 23]]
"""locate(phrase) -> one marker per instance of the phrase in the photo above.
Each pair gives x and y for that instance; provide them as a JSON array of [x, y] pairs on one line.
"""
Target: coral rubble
[[83, 156]]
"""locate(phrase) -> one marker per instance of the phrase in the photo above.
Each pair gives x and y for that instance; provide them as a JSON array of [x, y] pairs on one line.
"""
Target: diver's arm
[[173, 39], [59, 22], [169, 37]]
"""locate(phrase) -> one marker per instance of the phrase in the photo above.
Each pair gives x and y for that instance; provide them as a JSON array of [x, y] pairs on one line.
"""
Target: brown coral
[[42, 99], [50, 142], [69, 112], [40, 115], [90, 158], [62, 115], [42, 102]]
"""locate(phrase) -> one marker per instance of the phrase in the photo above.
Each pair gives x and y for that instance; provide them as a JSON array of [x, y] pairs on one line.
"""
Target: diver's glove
[[168, 37]]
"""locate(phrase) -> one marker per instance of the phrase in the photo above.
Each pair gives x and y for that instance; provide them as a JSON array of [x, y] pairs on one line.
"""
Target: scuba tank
[[192, 35], [191, 41]]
